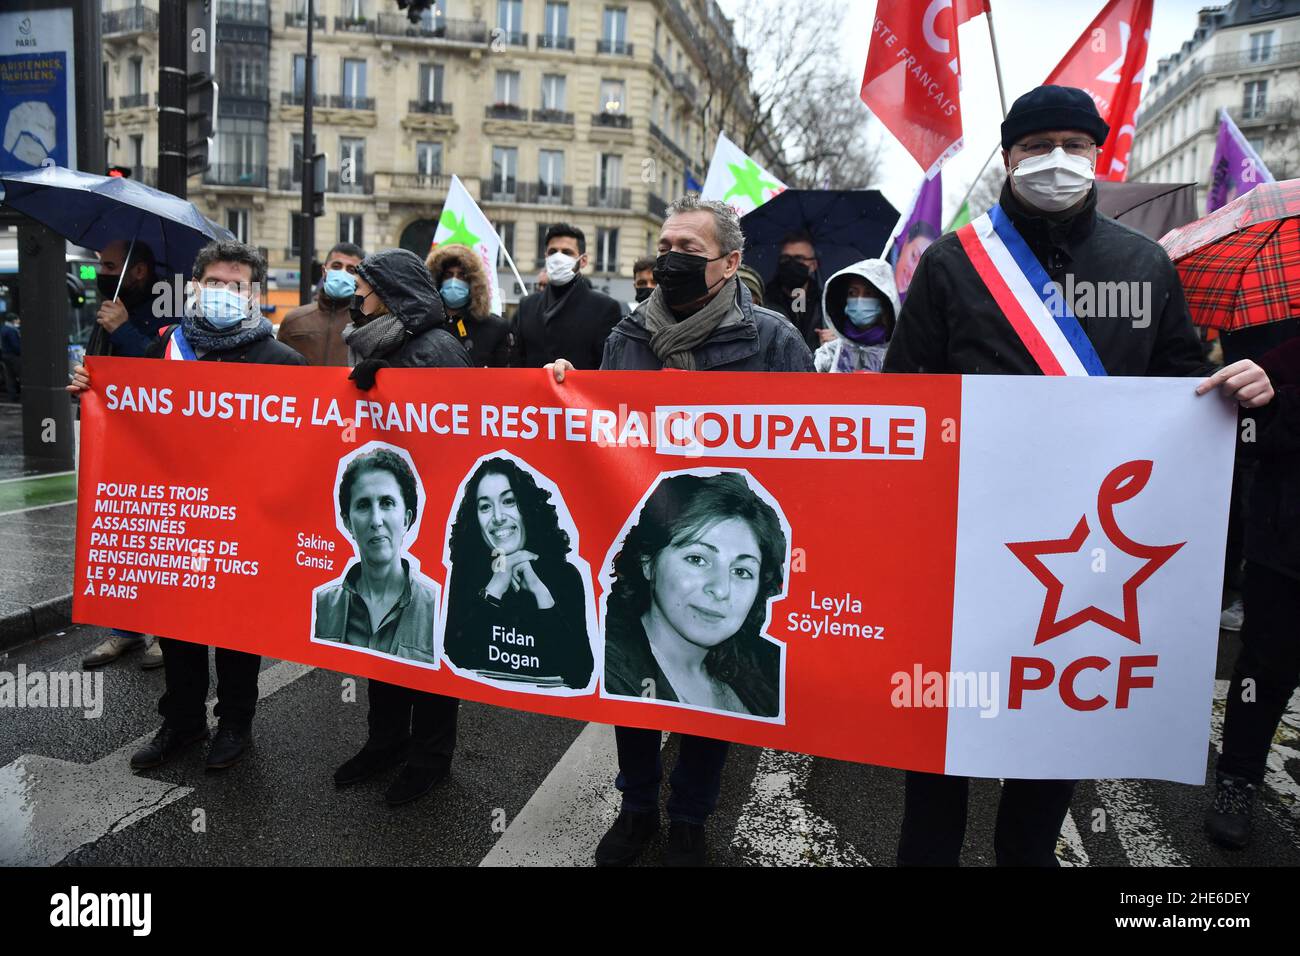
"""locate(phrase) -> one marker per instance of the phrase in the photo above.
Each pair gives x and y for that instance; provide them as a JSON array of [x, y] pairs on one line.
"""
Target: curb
[[37, 619]]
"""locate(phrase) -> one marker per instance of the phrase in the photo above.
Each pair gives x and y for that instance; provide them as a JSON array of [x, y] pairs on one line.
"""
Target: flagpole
[[997, 62], [523, 286]]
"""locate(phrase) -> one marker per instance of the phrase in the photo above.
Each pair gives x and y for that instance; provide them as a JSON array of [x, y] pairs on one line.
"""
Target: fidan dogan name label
[[792, 431]]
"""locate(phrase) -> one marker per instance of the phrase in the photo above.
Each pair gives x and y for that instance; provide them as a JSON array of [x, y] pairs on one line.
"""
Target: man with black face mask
[[699, 318], [991, 298], [795, 290], [126, 314]]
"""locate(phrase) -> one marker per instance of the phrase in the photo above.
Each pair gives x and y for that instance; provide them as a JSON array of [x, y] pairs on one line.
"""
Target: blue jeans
[[695, 782]]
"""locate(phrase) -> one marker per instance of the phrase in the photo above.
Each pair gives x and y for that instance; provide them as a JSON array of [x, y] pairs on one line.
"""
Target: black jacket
[[765, 342], [571, 323], [1273, 510], [950, 322], [266, 351], [808, 320], [404, 285], [487, 338], [134, 336]]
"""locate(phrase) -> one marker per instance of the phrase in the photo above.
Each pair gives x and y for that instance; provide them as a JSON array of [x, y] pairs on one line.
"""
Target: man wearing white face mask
[[568, 319], [995, 297]]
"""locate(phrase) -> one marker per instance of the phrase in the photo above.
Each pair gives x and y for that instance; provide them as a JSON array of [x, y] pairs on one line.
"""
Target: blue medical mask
[[863, 312], [340, 284], [222, 308], [455, 292]]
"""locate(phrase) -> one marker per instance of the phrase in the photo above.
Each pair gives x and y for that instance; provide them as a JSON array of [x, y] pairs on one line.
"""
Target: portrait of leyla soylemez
[[382, 604], [689, 589]]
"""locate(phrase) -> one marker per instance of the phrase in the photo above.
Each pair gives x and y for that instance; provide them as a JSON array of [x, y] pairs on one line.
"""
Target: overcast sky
[[1032, 37]]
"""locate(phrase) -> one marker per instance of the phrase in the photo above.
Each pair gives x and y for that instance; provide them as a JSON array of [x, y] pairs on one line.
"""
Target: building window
[[507, 88], [354, 10], [295, 235], [135, 75], [506, 230], [1255, 99], [237, 222], [1261, 46], [612, 96], [431, 83], [557, 21], [242, 76], [611, 173], [428, 159], [352, 162], [295, 151], [606, 250], [550, 175], [615, 29], [351, 228], [505, 170], [541, 243], [300, 74], [354, 79], [510, 16], [553, 92], [137, 154]]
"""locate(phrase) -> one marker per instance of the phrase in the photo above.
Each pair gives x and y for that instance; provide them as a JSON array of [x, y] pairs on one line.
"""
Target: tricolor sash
[[1026, 295], [179, 348]]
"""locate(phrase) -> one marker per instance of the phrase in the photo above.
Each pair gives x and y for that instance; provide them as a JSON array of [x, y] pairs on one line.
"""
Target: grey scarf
[[205, 338], [674, 340], [376, 338]]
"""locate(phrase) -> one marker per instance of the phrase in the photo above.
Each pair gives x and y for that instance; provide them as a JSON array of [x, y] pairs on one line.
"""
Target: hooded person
[[397, 319], [315, 330], [462, 282], [861, 306]]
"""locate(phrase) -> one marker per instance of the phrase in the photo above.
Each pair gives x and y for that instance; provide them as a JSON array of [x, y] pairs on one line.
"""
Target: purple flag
[[922, 226], [1237, 168]]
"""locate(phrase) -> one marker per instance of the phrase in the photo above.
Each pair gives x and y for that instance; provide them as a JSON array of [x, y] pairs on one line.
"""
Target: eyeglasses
[[1041, 147]]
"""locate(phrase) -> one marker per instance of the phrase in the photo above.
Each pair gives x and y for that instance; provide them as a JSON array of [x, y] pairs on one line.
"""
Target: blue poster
[[37, 114]]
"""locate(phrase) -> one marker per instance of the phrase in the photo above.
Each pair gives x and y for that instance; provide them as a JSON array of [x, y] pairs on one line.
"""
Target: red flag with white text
[[1108, 61]]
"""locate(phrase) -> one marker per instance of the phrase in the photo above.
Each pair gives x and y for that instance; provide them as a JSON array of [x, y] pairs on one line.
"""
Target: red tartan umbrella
[[1240, 265]]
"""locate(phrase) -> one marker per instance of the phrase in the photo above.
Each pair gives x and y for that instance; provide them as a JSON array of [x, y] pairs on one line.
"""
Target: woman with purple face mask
[[861, 304]]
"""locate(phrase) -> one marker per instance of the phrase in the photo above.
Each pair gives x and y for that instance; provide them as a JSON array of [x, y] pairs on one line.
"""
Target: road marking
[[53, 474], [1130, 815], [567, 815], [19, 511], [50, 807], [38, 491], [1069, 845], [776, 827]]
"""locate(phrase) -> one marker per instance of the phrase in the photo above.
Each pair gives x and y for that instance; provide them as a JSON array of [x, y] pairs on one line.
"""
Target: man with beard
[[126, 314], [795, 291], [315, 330]]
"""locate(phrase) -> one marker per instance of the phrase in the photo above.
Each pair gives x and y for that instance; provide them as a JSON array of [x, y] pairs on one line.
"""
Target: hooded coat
[[844, 354], [404, 285], [484, 335]]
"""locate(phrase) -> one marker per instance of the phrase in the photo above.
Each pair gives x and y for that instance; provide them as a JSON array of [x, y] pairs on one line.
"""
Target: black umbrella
[[846, 226]]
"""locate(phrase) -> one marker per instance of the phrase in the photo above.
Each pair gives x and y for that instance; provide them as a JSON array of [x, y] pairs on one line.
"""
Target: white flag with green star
[[738, 180], [464, 223]]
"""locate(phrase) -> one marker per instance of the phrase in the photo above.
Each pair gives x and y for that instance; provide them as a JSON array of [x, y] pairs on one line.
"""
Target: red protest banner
[[815, 563]]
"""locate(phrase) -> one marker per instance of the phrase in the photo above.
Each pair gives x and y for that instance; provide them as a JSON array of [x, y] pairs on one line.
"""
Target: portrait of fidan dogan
[[382, 604]]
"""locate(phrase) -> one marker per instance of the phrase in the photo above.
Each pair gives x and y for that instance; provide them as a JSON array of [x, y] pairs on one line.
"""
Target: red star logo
[[1120, 485]]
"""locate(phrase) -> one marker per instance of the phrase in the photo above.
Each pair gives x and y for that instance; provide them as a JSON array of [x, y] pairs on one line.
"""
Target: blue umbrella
[[846, 226], [93, 211]]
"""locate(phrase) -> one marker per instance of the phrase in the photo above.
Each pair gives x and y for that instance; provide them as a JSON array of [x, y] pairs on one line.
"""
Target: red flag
[[912, 80], [1107, 61], [969, 9]]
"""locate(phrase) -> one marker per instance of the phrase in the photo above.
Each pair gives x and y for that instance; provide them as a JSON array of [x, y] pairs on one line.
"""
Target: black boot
[[625, 840], [228, 745], [685, 844], [413, 782], [1227, 823], [369, 762], [167, 743]]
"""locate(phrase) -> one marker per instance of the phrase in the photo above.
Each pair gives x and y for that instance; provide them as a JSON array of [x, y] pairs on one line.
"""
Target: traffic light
[[119, 172], [319, 164], [200, 115]]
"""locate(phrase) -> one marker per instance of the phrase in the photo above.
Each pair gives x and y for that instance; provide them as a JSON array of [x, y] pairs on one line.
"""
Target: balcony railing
[[352, 102], [292, 98], [503, 190], [682, 83], [131, 20], [460, 31], [659, 62], [358, 25], [235, 174], [510, 37], [546, 194], [132, 100], [289, 179], [656, 206], [417, 182], [256, 12], [506, 111], [553, 116], [429, 106], [616, 120], [362, 184], [1276, 111], [1287, 54], [546, 41], [673, 148], [616, 47], [609, 197], [299, 20]]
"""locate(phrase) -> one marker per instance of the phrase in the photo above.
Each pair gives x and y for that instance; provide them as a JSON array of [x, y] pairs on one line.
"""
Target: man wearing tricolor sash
[[1043, 284], [223, 324]]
